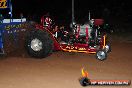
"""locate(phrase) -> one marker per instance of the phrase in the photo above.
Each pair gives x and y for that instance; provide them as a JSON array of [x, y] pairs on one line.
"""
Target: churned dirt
[[63, 69]]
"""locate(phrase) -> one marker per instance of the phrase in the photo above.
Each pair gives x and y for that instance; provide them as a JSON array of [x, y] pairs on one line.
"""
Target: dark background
[[118, 12], [61, 9]]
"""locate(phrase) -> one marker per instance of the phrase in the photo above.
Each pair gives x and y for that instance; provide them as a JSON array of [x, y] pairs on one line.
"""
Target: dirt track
[[62, 70]]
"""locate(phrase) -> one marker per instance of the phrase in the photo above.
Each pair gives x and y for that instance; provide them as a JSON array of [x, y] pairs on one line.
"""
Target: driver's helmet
[[48, 21]]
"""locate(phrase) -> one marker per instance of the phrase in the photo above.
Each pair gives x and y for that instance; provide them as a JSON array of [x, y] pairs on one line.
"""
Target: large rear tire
[[39, 43]]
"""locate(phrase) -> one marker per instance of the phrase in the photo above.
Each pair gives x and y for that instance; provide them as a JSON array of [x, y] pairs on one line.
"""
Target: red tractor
[[86, 38]]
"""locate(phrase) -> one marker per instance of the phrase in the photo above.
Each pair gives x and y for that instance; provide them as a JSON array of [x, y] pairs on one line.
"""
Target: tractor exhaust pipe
[[73, 18], [89, 16]]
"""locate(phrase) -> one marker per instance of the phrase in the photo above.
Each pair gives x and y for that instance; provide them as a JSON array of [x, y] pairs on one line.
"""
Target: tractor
[[84, 38]]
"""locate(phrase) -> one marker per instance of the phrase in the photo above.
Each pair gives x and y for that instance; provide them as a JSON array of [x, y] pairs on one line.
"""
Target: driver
[[47, 21]]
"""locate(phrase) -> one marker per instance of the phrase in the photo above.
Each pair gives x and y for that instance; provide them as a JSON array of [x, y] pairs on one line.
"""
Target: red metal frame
[[76, 47]]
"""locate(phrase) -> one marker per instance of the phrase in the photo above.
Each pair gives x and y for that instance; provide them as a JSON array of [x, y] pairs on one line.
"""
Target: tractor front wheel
[[101, 55]]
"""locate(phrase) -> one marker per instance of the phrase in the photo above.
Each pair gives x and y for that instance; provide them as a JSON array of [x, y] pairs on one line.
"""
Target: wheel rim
[[36, 44], [107, 47], [101, 55]]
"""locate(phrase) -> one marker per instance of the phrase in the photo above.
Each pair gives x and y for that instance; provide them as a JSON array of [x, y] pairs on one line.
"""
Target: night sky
[[61, 9]]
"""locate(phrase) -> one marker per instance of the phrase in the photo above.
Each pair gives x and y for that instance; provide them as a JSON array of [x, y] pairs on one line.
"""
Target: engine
[[81, 29]]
